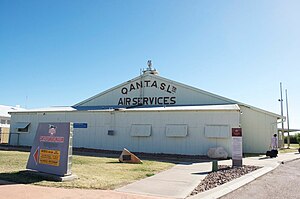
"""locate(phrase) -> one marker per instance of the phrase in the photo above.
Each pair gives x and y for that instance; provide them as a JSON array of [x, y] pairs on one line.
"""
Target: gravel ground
[[224, 174]]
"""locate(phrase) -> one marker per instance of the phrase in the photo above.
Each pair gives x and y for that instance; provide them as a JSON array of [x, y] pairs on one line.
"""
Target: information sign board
[[51, 151], [237, 147]]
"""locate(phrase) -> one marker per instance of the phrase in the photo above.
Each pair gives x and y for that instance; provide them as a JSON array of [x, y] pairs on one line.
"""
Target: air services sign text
[[148, 100]]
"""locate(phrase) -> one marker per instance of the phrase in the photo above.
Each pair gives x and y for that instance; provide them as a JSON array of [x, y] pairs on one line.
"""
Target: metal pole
[[282, 124], [287, 118]]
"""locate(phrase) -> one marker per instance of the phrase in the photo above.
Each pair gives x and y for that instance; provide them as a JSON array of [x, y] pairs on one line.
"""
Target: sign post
[[51, 152], [237, 147]]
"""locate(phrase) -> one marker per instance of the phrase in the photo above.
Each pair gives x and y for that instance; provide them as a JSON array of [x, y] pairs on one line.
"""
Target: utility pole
[[287, 118], [282, 124]]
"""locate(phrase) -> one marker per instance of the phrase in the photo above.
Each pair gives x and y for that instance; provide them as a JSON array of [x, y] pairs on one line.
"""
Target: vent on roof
[[150, 70]]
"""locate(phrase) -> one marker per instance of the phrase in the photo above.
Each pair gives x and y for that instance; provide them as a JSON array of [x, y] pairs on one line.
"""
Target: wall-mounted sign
[[80, 125], [168, 89], [51, 151], [146, 101], [236, 132], [237, 147], [148, 84]]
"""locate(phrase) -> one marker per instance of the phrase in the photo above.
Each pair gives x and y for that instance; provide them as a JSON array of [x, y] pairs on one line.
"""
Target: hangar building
[[153, 114]]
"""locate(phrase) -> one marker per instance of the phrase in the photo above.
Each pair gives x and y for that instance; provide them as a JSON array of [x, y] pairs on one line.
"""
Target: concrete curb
[[234, 184]]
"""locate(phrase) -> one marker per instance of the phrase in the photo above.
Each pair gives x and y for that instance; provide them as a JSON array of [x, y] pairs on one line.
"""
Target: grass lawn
[[293, 148], [93, 172], [292, 145]]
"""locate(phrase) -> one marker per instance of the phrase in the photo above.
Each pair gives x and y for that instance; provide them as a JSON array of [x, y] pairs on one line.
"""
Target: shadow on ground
[[202, 173], [21, 177], [264, 158]]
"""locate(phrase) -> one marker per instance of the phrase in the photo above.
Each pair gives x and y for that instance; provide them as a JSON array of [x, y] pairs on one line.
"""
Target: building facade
[[153, 114]]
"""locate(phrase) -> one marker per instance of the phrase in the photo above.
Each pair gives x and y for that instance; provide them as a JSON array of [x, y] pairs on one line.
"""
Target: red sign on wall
[[237, 132]]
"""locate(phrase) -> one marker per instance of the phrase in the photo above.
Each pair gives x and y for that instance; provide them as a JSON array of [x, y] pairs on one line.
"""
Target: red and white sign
[[237, 132], [52, 139]]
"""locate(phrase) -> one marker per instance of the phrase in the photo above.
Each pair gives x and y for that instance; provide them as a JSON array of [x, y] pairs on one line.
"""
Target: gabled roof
[[228, 107], [223, 100], [48, 109], [229, 101]]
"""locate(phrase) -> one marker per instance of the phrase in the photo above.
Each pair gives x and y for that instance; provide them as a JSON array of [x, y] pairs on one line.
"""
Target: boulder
[[217, 153], [128, 157]]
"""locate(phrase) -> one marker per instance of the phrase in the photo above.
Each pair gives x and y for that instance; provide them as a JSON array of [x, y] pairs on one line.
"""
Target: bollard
[[214, 165]]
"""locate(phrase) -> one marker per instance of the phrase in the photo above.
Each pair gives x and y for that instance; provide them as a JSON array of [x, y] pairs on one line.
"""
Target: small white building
[[5, 122], [4, 116], [153, 114]]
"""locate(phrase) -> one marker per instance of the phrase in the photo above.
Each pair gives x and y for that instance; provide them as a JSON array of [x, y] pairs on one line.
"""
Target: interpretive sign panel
[[51, 151], [49, 157], [237, 147]]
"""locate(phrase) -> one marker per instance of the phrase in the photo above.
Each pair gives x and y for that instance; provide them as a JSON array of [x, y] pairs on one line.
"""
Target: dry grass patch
[[293, 148], [93, 172]]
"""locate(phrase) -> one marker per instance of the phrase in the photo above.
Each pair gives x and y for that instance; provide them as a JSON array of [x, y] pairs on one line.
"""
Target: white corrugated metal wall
[[99, 122], [258, 128]]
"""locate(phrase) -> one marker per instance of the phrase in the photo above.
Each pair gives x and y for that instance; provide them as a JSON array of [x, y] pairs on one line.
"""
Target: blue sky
[[56, 53]]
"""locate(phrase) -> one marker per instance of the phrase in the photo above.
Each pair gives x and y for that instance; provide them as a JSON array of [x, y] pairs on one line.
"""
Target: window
[[176, 130], [3, 122], [8, 121], [217, 131], [22, 126], [110, 132], [140, 130]]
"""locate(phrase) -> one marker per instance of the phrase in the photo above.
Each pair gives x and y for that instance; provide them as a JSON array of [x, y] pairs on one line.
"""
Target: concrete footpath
[[22, 191], [177, 182], [180, 181]]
